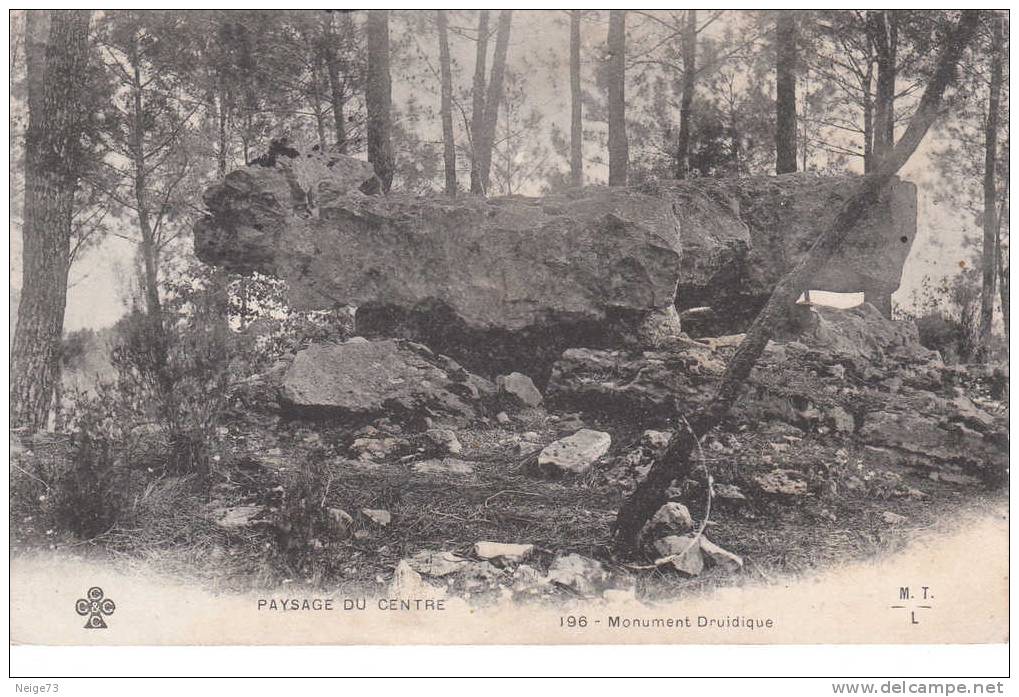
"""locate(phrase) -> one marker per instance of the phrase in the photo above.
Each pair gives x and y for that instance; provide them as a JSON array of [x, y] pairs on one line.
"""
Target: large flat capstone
[[506, 284]]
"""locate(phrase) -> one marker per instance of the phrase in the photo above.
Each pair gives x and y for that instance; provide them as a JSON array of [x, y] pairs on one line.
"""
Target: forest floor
[[854, 508]]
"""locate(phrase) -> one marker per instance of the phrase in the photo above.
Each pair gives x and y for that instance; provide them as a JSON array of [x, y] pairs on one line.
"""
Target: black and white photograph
[[351, 327]]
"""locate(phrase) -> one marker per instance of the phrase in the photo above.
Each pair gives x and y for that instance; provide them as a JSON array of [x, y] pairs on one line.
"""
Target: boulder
[[930, 438], [644, 382], [507, 283], [519, 388], [364, 379], [574, 454]]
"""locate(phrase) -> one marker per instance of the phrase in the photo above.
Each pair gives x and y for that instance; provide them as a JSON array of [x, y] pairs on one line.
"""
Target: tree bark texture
[[785, 92], [619, 153], [379, 98]]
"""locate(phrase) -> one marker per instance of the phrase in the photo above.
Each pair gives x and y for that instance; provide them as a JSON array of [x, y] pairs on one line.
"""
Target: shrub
[[947, 315]]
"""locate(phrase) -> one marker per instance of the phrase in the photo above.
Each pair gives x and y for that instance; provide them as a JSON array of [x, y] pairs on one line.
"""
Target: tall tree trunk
[[379, 98], [493, 97], [990, 190], [785, 92], [682, 166], [57, 57], [576, 104], [222, 133], [868, 117], [1002, 270], [883, 28], [446, 108], [149, 251], [675, 463], [478, 103], [337, 92], [619, 151]]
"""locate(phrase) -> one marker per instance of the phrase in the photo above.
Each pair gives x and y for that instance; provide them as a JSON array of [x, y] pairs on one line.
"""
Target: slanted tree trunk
[[478, 103], [682, 166], [576, 104], [785, 92], [989, 267], [493, 97], [57, 57], [883, 29], [619, 152], [337, 93], [675, 463], [446, 108], [379, 98]]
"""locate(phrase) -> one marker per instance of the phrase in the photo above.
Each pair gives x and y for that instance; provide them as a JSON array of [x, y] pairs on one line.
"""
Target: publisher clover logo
[[94, 606]]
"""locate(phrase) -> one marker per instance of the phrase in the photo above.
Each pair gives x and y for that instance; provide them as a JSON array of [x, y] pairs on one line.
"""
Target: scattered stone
[[924, 436], [444, 440], [729, 492], [519, 388], [683, 552], [782, 481], [841, 420], [954, 478], [527, 579], [502, 417], [380, 517], [502, 553], [583, 575], [237, 517], [655, 440], [446, 465], [893, 518], [574, 454], [377, 448], [721, 557], [671, 519], [431, 563], [407, 583], [530, 436], [341, 521]]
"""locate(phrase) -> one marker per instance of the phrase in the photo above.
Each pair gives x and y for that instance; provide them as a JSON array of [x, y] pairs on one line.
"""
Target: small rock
[[237, 516], [571, 422], [380, 517], [431, 563], [583, 575], [893, 518], [530, 436], [527, 579], [446, 465], [520, 388], [837, 371], [574, 454], [502, 417], [782, 481], [341, 521], [376, 448], [683, 551], [841, 420], [779, 447], [729, 491], [671, 519], [655, 440], [721, 557], [502, 553], [407, 583], [445, 440]]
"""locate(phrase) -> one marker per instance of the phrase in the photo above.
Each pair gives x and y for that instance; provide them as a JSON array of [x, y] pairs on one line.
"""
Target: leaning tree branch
[[675, 463]]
